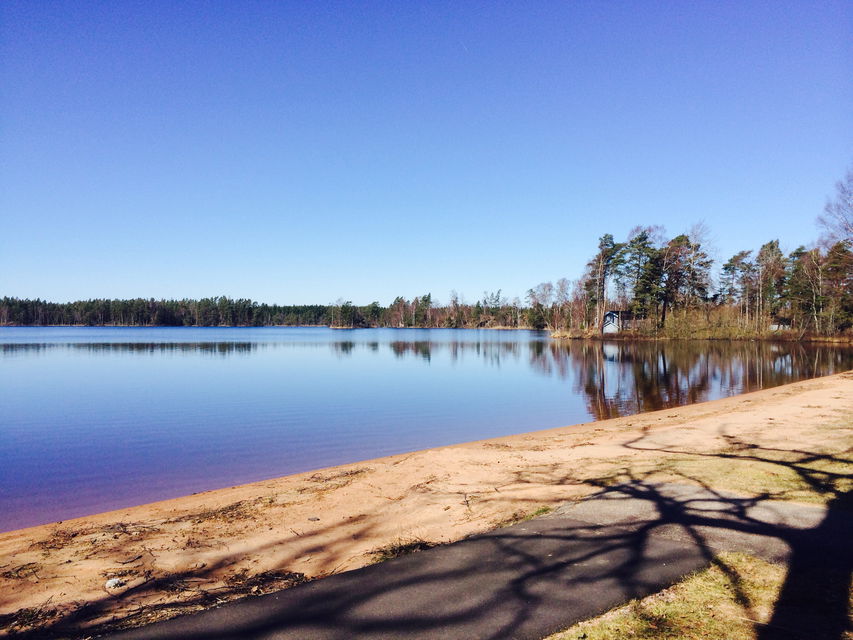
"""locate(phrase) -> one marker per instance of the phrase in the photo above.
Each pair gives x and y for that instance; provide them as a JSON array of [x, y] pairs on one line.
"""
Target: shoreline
[[194, 551], [782, 336], [842, 340]]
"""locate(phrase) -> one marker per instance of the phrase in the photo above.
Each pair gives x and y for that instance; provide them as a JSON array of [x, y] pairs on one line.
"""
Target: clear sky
[[298, 152]]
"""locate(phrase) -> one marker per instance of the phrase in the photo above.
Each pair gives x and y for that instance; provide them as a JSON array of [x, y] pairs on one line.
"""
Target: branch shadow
[[815, 595]]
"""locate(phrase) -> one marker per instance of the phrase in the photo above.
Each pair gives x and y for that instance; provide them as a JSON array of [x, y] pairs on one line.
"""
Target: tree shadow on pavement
[[815, 597]]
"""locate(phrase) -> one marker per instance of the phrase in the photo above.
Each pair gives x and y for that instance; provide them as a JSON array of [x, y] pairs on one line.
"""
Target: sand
[[180, 555]]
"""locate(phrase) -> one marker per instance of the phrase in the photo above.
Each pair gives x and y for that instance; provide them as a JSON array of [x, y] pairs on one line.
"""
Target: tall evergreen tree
[[600, 269]]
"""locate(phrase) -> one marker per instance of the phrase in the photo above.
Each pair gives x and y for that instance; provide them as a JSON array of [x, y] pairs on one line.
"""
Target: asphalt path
[[537, 577]]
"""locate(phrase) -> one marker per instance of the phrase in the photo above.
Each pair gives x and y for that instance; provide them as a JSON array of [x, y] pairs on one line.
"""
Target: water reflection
[[419, 349], [220, 348], [620, 379], [615, 378]]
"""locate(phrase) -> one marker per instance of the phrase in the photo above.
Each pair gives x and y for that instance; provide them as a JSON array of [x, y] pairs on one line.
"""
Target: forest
[[664, 285], [660, 286]]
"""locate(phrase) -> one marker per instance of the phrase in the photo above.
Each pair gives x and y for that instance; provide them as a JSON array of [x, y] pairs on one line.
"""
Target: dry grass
[[349, 473], [828, 477], [23, 571], [400, 548], [240, 510], [244, 582], [520, 516], [812, 477], [27, 618], [728, 601], [59, 539], [325, 483]]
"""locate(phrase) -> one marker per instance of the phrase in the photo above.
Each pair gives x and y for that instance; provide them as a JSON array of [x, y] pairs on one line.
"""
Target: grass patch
[[330, 482], [400, 548], [521, 516], [811, 481], [348, 474], [780, 475], [787, 477], [240, 510], [728, 601]]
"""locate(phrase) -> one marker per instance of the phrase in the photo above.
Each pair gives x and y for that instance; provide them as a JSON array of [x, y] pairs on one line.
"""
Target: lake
[[93, 419]]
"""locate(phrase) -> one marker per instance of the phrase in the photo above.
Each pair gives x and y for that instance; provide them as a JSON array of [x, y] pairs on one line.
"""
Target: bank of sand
[[200, 550]]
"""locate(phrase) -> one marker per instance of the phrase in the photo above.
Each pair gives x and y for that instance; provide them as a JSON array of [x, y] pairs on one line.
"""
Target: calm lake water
[[93, 419]]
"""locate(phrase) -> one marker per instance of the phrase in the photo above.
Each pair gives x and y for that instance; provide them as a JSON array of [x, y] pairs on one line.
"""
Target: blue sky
[[301, 152]]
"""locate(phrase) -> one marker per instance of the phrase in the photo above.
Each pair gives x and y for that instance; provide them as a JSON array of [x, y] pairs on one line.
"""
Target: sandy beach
[[167, 558]]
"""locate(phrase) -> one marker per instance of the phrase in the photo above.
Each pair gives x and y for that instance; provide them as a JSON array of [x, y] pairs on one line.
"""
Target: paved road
[[531, 579]]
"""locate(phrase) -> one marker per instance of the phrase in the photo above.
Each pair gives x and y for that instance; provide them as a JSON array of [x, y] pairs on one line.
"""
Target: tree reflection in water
[[616, 378], [623, 378]]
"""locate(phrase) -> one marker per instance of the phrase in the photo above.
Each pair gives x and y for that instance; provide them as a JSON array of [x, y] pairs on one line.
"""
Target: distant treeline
[[661, 287], [224, 311], [207, 312]]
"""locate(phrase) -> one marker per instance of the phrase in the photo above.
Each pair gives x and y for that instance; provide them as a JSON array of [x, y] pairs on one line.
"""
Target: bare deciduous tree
[[837, 217]]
